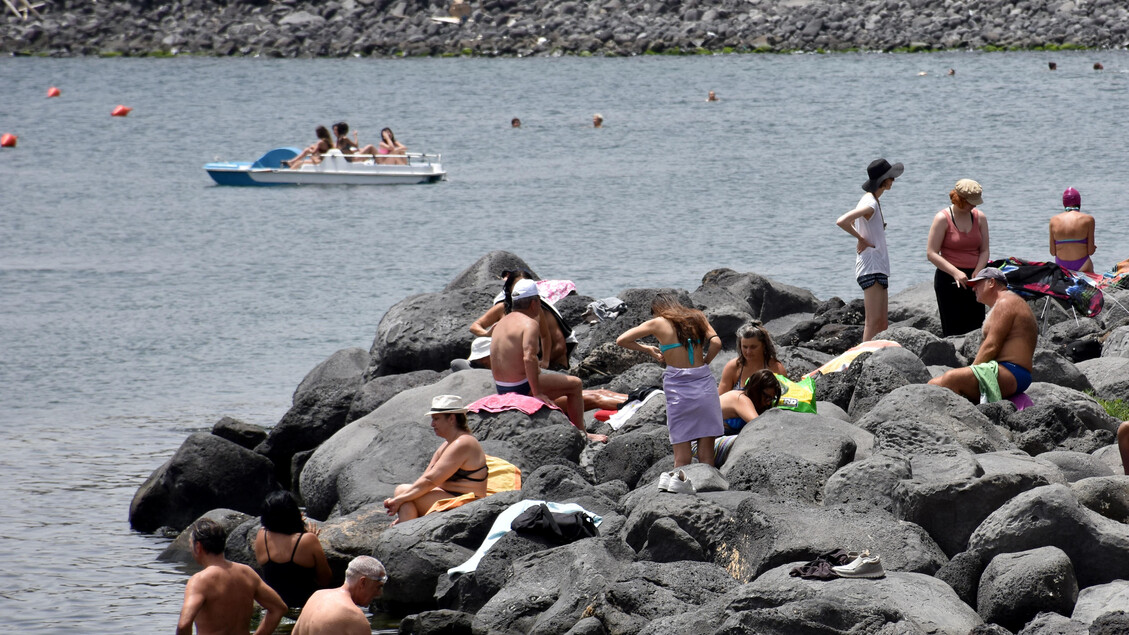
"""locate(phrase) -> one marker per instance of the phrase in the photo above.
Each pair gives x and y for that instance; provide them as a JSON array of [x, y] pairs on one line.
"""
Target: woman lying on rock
[[457, 467], [755, 351], [687, 343], [762, 391]]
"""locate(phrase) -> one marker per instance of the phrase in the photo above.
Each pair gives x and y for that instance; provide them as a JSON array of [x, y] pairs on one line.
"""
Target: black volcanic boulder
[[645, 591], [375, 392], [487, 270], [764, 299], [321, 406], [920, 418], [1015, 587], [205, 473]]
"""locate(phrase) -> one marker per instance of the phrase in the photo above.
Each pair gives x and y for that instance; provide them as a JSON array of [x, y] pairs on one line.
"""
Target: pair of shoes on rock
[[676, 483], [863, 566]]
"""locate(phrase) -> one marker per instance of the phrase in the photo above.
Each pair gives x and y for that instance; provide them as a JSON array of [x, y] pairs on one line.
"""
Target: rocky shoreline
[[385, 28], [987, 519]]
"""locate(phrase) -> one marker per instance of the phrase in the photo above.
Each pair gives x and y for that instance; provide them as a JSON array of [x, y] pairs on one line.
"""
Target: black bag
[[559, 527]]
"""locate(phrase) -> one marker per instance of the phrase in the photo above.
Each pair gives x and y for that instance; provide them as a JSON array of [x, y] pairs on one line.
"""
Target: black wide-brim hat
[[879, 170]]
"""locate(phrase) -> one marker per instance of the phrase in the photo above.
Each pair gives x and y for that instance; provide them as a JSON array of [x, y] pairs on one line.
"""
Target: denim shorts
[[869, 279]]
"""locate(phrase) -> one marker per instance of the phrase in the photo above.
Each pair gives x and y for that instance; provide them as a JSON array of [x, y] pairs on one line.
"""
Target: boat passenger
[[738, 407], [313, 153], [289, 552], [755, 352], [349, 146], [1072, 234], [394, 149]]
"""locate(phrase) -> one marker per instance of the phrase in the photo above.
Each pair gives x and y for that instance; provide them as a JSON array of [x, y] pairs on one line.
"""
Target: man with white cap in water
[[514, 345]]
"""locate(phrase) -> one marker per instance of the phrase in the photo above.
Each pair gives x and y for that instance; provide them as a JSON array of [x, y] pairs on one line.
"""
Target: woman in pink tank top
[[958, 246]]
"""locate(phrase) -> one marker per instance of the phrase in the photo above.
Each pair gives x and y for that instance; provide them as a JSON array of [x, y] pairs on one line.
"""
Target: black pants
[[960, 312]]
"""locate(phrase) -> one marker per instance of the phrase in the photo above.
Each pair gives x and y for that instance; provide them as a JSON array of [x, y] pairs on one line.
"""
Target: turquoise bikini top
[[689, 347]]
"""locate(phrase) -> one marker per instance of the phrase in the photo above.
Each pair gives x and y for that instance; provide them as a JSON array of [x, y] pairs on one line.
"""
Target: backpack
[[562, 528]]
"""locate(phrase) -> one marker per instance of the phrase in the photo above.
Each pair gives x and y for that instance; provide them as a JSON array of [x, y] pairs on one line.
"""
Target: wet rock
[[206, 472], [180, 550], [442, 621], [243, 434]]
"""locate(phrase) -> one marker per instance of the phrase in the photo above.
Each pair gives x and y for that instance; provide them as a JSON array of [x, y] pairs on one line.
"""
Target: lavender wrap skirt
[[693, 408]]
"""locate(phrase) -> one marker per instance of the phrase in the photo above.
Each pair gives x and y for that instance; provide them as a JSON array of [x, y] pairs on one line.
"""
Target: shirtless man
[[219, 598], [1010, 334], [513, 358], [338, 611], [1072, 234]]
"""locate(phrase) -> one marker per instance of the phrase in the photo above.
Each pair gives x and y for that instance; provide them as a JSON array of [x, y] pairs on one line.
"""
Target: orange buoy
[[8, 140], [52, 92], [120, 111]]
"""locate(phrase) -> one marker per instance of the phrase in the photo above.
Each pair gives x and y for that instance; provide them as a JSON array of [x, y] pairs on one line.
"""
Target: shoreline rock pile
[[382, 28], [987, 519]]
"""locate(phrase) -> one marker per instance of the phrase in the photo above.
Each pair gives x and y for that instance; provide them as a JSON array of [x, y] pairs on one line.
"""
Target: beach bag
[[562, 528], [797, 395]]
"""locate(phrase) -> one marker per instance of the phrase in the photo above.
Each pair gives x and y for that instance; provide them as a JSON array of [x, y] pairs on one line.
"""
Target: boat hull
[[334, 169]]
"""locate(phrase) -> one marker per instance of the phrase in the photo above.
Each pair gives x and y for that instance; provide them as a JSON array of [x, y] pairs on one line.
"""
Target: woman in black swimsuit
[[457, 467], [291, 557]]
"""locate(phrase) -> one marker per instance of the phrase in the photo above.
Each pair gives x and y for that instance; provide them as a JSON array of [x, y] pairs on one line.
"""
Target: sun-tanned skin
[[338, 611], [219, 598], [1072, 225], [513, 357], [1010, 334]]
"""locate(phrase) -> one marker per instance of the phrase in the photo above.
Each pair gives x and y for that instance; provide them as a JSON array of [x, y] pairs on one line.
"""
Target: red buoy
[[52, 92], [120, 111], [8, 140]]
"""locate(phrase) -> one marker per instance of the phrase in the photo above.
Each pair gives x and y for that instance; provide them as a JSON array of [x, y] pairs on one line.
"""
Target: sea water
[[139, 302]]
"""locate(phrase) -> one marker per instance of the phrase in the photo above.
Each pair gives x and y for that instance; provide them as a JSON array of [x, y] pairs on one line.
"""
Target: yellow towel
[[501, 476]]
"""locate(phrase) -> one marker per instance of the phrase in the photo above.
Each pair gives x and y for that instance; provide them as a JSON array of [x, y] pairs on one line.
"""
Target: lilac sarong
[[693, 408]]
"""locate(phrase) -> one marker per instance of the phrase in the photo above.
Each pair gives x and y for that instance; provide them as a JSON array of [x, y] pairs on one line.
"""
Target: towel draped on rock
[[501, 476]]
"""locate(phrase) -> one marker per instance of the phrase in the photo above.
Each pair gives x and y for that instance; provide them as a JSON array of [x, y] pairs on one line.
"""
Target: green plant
[[1117, 408]]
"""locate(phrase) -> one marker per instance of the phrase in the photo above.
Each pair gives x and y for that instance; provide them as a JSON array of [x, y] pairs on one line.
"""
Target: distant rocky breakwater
[[339, 28], [985, 517]]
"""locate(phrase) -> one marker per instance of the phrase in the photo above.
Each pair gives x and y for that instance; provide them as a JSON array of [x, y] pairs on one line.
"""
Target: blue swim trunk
[[869, 279], [1021, 374], [521, 388]]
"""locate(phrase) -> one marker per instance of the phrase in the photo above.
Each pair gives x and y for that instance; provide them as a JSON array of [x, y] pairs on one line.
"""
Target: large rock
[[205, 473], [883, 372], [1088, 411], [375, 392], [1106, 495], [1116, 344], [637, 309], [549, 591], [927, 347], [753, 295], [920, 418], [764, 533], [388, 446], [1076, 466], [1045, 427], [788, 453], [1099, 600], [1053, 368], [321, 407], [428, 330], [779, 604], [646, 591], [180, 549], [1048, 623], [1051, 516], [1015, 587], [564, 484], [1108, 375], [627, 456], [487, 271], [244, 434]]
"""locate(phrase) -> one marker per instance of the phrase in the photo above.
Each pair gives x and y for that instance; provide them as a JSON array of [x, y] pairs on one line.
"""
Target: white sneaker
[[664, 482], [864, 566], [679, 484]]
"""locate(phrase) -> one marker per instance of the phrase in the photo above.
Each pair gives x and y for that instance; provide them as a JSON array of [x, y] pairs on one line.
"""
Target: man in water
[[514, 344], [338, 611], [1002, 367], [219, 598], [597, 120]]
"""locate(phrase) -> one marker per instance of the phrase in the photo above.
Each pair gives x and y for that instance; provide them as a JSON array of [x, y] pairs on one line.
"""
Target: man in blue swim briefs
[[1002, 367], [514, 345]]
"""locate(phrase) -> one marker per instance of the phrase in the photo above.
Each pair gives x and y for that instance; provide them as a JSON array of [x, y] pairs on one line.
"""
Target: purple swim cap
[[1071, 198]]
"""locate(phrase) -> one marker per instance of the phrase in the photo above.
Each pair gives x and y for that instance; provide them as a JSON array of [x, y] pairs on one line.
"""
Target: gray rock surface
[[1098, 600], [923, 419], [1106, 495], [1108, 375], [1015, 587]]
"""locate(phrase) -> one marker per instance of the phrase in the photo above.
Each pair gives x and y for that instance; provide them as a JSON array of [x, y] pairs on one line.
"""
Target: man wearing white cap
[[514, 345], [1002, 367]]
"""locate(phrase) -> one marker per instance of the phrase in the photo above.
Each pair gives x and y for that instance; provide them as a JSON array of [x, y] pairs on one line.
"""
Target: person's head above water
[[1071, 199]]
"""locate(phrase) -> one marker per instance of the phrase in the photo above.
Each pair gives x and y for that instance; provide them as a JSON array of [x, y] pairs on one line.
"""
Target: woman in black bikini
[[290, 556], [457, 467]]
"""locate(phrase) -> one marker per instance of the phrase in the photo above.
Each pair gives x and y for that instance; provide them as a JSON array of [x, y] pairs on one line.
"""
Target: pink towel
[[553, 290], [509, 401]]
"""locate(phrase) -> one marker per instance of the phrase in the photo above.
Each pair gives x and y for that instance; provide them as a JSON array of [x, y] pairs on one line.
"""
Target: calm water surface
[[139, 302]]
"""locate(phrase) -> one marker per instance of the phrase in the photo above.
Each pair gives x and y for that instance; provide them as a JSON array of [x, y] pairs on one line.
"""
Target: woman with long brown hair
[[755, 351], [687, 343]]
